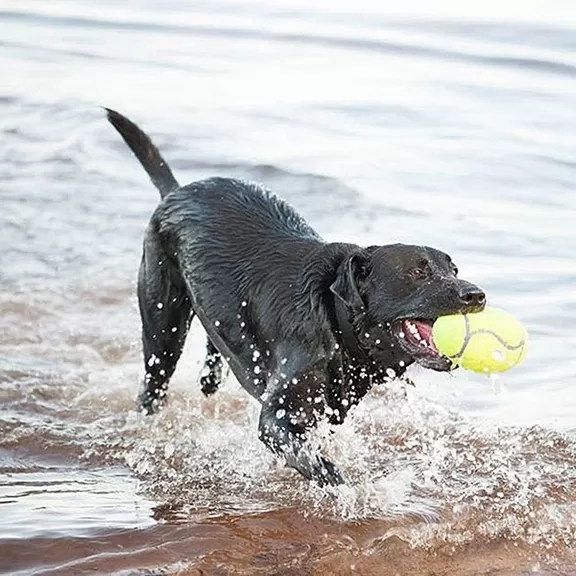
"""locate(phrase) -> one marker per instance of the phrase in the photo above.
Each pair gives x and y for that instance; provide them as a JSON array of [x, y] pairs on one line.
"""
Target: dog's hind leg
[[212, 373], [166, 313]]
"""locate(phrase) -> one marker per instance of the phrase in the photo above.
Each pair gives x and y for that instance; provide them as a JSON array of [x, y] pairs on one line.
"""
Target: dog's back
[[227, 209]]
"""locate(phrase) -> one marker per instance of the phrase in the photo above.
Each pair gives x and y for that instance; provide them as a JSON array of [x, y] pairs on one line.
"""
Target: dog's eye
[[418, 273]]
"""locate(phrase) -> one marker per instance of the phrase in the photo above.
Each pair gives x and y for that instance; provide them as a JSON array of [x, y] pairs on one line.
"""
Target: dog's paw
[[318, 469], [210, 382], [148, 403], [326, 474]]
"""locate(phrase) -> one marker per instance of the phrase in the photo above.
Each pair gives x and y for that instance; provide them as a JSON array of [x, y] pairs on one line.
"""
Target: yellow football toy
[[488, 341]]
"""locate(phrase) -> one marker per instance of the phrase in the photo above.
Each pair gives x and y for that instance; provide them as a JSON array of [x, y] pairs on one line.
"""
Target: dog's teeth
[[412, 328]]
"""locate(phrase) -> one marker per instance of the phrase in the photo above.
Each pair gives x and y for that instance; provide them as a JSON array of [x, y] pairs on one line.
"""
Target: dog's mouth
[[415, 337]]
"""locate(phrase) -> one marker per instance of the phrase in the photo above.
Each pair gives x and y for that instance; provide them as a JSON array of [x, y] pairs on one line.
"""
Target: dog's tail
[[148, 155]]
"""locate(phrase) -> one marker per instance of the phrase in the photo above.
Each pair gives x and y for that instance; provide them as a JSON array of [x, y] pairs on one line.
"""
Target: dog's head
[[396, 292]]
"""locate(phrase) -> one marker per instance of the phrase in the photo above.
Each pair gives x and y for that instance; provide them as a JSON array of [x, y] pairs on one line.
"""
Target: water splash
[[407, 458]]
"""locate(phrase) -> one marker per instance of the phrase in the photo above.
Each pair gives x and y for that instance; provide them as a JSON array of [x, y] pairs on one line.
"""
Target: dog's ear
[[352, 271]]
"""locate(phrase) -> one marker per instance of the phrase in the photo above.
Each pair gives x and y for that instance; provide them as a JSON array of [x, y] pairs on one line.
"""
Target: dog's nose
[[472, 297]]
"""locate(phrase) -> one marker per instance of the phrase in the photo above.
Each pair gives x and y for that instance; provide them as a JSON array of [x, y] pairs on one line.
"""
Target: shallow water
[[453, 127]]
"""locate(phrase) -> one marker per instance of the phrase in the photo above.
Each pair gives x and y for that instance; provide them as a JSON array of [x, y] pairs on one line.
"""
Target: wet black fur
[[304, 325]]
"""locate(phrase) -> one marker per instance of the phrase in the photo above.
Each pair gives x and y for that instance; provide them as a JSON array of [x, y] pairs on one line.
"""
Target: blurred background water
[[441, 123]]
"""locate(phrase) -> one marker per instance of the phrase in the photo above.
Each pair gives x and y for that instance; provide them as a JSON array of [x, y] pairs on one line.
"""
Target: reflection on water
[[451, 127], [40, 502]]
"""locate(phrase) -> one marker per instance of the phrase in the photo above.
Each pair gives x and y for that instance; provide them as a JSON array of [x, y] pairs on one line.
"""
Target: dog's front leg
[[286, 416]]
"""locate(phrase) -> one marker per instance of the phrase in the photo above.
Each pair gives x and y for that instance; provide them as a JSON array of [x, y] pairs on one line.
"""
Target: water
[[452, 126]]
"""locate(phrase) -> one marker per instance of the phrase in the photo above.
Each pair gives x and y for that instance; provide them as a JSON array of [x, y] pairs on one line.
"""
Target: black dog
[[306, 327]]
